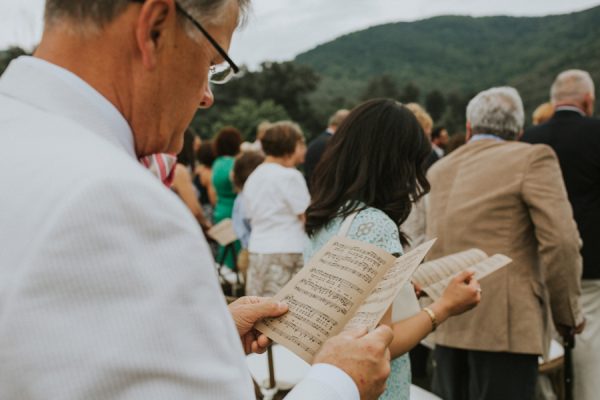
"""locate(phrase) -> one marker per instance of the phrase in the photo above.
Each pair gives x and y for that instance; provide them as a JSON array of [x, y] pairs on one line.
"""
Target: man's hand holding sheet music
[[462, 294], [364, 356], [246, 312]]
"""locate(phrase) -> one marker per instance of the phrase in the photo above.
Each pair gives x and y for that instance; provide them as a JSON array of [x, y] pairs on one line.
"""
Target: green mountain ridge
[[459, 54]]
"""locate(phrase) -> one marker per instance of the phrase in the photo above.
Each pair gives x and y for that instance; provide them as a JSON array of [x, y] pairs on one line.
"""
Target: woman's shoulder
[[293, 171], [181, 175], [222, 167], [375, 215], [280, 170], [182, 170], [288, 180], [294, 180], [373, 226], [223, 162]]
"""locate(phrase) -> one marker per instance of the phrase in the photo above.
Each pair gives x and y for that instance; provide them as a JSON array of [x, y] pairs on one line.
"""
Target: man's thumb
[[383, 333], [269, 308]]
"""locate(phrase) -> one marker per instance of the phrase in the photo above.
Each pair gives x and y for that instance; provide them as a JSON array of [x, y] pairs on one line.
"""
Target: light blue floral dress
[[372, 226]]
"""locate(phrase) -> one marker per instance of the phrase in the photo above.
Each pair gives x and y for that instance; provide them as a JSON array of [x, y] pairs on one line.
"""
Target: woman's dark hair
[[244, 165], [206, 154], [227, 142], [375, 159], [186, 155], [281, 139]]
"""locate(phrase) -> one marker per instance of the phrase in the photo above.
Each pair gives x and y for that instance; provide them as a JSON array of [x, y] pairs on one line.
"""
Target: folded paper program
[[223, 232]]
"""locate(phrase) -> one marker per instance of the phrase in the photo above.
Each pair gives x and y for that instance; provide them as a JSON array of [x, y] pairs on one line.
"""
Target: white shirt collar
[[61, 92], [485, 136]]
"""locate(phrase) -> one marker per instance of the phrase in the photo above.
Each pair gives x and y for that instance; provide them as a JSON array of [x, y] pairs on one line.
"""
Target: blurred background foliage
[[440, 62]]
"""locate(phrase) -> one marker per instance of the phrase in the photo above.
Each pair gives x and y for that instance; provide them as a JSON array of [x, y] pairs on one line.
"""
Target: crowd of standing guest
[[488, 191]]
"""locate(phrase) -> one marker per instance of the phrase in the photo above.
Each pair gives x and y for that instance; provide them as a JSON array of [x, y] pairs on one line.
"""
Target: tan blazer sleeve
[[556, 232]]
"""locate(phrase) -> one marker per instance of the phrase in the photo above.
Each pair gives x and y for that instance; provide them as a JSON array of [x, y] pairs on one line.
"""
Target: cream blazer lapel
[[61, 93]]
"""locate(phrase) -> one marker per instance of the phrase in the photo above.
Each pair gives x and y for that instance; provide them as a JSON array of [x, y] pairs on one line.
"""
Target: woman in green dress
[[227, 146], [369, 176]]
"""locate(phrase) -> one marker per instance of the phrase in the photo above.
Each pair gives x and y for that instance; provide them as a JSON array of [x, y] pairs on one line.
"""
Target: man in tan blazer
[[506, 197]]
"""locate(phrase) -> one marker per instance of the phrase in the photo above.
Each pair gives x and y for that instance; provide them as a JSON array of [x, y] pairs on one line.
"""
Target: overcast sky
[[280, 29]]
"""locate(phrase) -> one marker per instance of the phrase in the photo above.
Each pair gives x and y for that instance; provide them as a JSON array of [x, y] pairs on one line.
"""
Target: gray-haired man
[[505, 197], [107, 288], [575, 137]]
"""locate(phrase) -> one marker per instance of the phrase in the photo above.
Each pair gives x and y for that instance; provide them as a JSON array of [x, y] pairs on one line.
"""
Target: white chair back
[[289, 368]]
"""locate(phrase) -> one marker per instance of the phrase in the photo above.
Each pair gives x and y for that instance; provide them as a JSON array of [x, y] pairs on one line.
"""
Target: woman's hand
[[462, 294], [418, 290]]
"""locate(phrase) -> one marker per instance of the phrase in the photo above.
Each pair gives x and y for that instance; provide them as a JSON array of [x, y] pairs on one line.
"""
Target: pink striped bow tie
[[162, 165]]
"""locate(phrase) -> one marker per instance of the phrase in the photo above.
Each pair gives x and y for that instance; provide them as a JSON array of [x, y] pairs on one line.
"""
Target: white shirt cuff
[[336, 379]]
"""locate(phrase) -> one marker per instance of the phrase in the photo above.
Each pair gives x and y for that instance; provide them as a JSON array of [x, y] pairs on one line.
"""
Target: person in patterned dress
[[373, 170]]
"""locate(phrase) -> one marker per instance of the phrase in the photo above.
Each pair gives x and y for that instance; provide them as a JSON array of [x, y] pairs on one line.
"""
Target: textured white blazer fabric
[[107, 287], [106, 291]]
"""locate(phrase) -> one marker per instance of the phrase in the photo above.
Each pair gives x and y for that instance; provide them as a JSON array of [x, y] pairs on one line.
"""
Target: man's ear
[[154, 20], [469, 131], [589, 102]]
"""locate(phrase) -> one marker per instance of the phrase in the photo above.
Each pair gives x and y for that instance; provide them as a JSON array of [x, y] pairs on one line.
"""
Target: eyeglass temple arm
[[212, 41]]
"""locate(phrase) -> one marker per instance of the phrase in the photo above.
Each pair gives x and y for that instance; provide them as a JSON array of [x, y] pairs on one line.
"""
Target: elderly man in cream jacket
[[107, 287]]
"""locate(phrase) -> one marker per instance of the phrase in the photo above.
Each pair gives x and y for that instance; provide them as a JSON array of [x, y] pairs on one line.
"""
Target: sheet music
[[377, 303], [325, 294], [482, 269], [437, 270], [223, 232]]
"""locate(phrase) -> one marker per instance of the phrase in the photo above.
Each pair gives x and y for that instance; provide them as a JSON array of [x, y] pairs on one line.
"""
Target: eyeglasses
[[218, 74]]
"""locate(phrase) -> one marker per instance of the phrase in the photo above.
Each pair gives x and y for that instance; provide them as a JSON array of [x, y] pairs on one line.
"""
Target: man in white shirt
[[106, 283]]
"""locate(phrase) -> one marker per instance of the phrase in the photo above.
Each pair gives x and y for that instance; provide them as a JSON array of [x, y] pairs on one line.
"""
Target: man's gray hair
[[571, 86], [210, 12], [497, 111], [94, 14], [337, 118]]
